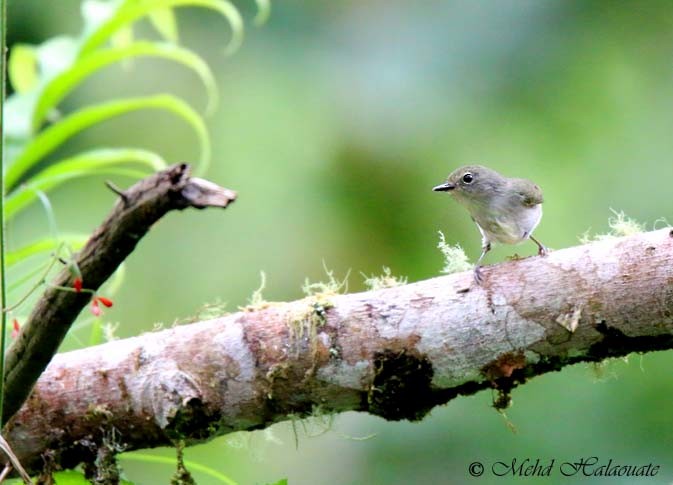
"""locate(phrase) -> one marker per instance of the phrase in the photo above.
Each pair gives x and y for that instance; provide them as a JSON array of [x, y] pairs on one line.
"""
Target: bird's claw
[[478, 276]]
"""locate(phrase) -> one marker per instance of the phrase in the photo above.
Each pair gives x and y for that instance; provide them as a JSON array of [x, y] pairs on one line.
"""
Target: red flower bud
[[15, 328], [95, 309], [77, 284], [105, 301]]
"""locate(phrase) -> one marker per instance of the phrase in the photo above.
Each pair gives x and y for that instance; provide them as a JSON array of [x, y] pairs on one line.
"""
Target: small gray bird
[[506, 210]]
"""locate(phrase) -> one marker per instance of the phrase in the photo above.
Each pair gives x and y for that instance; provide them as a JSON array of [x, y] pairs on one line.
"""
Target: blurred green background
[[336, 119]]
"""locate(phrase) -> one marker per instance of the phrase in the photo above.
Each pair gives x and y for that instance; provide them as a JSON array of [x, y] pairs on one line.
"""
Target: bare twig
[[14, 461], [394, 352], [5, 472]]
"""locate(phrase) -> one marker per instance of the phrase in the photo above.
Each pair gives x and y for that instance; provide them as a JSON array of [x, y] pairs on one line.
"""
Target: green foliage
[[263, 11], [44, 75], [163, 19], [105, 22], [52, 137], [44, 245], [170, 461], [68, 477], [109, 161], [60, 86], [22, 68]]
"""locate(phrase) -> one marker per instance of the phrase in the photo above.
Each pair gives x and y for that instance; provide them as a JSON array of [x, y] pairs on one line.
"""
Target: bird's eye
[[468, 178]]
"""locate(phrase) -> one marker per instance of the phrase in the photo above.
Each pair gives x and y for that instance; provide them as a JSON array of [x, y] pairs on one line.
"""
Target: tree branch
[[138, 208], [394, 353]]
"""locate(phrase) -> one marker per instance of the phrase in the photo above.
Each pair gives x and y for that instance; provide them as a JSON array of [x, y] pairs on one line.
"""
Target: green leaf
[[72, 477], [18, 110], [53, 57], [129, 12], [96, 335], [163, 19], [22, 67], [41, 246], [65, 82], [122, 38], [96, 12], [58, 133], [94, 162], [190, 465], [263, 12]]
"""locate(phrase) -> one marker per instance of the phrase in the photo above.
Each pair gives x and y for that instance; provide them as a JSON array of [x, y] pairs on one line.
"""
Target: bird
[[506, 210]]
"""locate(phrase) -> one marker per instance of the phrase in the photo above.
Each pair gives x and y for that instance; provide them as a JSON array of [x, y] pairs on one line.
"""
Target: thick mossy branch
[[394, 352], [136, 210]]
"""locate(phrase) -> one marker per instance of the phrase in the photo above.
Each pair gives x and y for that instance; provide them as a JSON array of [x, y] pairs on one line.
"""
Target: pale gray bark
[[393, 352]]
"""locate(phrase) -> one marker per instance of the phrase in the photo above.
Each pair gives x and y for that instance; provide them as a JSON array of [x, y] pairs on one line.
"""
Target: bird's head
[[473, 184]]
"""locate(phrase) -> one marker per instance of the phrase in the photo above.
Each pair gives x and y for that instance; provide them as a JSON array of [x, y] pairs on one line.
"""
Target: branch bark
[[394, 352], [137, 209]]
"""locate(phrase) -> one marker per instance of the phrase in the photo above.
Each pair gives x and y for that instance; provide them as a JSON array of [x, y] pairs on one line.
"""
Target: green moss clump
[[386, 280], [620, 225], [455, 259]]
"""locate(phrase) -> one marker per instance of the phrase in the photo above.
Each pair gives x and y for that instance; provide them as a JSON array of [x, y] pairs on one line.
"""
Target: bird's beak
[[445, 187]]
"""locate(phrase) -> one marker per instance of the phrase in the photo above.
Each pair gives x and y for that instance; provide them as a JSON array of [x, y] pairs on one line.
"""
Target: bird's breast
[[509, 227]]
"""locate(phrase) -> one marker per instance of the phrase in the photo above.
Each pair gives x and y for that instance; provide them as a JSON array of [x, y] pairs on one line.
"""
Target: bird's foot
[[541, 248], [478, 275]]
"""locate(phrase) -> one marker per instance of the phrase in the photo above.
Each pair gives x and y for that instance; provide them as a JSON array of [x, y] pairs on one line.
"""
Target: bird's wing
[[527, 192]]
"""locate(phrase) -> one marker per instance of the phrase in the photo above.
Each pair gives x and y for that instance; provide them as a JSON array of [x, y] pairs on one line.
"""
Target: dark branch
[[142, 205]]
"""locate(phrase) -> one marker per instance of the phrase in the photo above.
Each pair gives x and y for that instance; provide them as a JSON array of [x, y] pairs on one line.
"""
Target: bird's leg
[[478, 276], [541, 249]]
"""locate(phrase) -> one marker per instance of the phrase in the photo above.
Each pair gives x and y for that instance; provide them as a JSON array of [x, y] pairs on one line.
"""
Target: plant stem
[[3, 292]]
